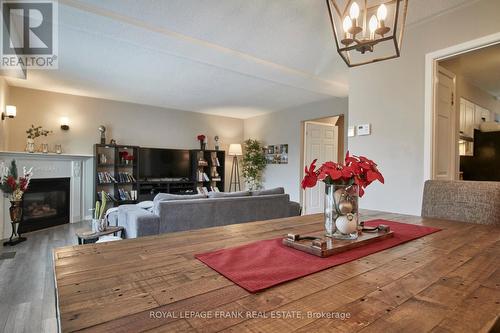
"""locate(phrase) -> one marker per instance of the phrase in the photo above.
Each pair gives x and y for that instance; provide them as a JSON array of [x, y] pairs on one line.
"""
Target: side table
[[86, 236]]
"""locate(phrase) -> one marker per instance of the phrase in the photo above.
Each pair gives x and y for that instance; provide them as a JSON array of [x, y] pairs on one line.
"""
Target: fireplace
[[45, 204]]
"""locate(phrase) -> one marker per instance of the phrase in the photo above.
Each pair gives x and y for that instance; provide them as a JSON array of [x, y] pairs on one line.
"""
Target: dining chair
[[465, 201]]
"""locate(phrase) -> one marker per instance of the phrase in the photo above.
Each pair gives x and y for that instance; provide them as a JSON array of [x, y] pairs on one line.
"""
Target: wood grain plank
[[114, 287]]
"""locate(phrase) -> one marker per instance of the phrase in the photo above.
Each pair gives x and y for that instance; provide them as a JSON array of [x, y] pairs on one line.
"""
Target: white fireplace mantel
[[77, 167]]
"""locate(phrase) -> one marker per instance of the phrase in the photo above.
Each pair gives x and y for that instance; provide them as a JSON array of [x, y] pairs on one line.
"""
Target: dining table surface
[[448, 281]]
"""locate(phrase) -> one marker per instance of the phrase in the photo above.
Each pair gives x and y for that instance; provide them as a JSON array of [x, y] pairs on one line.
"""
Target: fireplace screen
[[45, 204]]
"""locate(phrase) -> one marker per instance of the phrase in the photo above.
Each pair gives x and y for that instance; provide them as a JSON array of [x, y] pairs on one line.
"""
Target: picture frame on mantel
[[276, 154]]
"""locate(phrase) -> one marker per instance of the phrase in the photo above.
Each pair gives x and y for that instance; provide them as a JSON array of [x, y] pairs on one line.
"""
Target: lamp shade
[[235, 149], [10, 111]]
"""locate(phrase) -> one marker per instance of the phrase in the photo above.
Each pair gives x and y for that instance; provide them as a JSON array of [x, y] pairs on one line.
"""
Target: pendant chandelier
[[370, 33]]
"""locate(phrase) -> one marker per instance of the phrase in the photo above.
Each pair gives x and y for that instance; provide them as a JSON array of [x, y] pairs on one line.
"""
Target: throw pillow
[[277, 190]]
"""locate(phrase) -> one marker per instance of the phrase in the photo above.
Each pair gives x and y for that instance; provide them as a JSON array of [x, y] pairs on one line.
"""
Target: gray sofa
[[466, 201], [170, 213]]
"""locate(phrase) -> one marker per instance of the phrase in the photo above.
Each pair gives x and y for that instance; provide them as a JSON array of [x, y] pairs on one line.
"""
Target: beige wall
[[469, 91], [127, 123], [284, 127], [390, 96], [4, 95]]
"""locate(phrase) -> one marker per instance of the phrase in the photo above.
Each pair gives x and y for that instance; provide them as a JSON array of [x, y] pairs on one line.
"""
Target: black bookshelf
[[110, 169], [114, 174], [208, 169]]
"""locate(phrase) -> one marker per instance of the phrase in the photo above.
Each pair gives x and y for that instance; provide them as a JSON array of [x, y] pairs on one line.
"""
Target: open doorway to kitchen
[[323, 139], [467, 116]]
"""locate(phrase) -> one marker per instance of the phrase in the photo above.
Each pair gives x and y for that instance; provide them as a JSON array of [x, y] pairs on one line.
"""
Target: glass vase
[[341, 211], [30, 145], [98, 225]]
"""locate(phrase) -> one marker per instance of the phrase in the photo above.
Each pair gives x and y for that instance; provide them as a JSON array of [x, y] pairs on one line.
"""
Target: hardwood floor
[[27, 301]]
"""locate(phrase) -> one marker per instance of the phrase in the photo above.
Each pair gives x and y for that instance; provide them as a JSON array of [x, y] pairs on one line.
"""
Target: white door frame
[[307, 163], [431, 60]]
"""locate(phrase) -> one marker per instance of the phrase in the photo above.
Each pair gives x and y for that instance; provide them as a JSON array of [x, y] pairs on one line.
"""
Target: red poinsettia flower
[[357, 169], [330, 169], [310, 178], [372, 172]]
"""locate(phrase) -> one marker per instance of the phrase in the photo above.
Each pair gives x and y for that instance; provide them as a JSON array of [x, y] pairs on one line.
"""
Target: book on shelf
[[105, 178], [125, 177], [215, 161], [214, 189], [124, 195], [202, 162], [202, 177], [202, 190]]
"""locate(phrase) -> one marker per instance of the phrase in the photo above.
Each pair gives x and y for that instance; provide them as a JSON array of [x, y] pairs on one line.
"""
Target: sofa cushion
[[276, 190], [228, 194], [169, 197], [145, 204]]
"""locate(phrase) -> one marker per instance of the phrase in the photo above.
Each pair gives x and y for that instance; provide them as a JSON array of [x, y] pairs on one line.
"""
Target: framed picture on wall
[[276, 154]]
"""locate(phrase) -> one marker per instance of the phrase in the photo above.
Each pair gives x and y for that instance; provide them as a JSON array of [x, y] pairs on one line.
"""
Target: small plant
[[35, 132], [100, 208], [254, 162]]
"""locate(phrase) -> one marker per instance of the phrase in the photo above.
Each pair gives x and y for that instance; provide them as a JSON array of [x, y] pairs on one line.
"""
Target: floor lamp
[[235, 151]]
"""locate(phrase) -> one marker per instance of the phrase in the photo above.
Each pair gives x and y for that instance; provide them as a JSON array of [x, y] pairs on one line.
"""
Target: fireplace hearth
[[45, 204]]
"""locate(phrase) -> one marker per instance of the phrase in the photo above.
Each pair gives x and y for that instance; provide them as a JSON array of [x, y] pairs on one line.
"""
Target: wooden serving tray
[[325, 246]]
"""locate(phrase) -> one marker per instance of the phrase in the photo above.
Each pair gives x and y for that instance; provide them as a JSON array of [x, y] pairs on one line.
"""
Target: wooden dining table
[[448, 281]]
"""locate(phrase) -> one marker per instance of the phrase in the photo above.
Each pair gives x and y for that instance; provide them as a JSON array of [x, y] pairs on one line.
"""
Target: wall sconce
[[64, 123], [10, 112]]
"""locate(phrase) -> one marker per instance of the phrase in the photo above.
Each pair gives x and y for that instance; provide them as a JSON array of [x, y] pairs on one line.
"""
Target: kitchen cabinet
[[471, 116]]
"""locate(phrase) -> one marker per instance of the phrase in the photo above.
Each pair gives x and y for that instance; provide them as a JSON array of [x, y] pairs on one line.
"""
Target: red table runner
[[263, 264]]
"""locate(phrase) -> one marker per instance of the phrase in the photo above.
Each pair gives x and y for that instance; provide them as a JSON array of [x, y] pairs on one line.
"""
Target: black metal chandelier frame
[[364, 45]]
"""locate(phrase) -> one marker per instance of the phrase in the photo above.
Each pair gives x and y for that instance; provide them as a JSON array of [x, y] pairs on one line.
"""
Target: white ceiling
[[481, 68], [236, 58]]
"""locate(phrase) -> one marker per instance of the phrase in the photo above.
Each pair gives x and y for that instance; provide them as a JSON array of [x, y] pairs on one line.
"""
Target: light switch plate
[[351, 131], [364, 129]]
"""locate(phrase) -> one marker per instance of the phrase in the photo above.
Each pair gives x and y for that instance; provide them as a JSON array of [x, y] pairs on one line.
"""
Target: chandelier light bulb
[[382, 12], [373, 24], [347, 24], [354, 11]]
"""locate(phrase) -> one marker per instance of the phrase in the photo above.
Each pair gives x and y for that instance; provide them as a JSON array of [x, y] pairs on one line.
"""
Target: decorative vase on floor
[[30, 145], [16, 216], [341, 211]]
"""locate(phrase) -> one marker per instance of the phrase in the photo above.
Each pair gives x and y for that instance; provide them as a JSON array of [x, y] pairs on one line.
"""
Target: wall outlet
[[364, 129], [351, 131]]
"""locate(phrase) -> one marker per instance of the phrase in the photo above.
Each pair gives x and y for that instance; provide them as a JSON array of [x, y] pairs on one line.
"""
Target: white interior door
[[321, 142], [444, 121]]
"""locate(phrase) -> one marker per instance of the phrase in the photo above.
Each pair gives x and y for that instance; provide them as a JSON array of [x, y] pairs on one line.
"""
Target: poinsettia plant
[[355, 170], [13, 185]]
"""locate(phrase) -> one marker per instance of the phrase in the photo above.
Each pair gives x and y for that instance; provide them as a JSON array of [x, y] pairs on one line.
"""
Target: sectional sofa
[[171, 213]]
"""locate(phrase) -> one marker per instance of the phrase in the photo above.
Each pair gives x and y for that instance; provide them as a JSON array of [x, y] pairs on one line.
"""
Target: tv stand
[[153, 180], [148, 189]]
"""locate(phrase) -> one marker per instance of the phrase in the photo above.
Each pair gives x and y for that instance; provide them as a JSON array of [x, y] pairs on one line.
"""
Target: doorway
[[324, 141], [466, 116]]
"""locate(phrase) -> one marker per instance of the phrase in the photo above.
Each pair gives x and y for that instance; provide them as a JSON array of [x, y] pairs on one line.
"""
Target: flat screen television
[[163, 163]]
